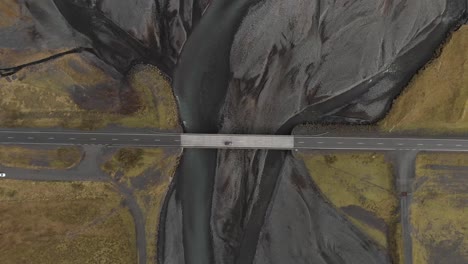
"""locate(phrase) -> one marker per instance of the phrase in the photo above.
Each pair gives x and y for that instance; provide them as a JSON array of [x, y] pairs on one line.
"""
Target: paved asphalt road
[[407, 145], [232, 141], [405, 171], [357, 143], [89, 138]]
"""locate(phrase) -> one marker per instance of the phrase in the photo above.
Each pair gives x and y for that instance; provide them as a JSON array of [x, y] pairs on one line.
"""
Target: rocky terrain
[[247, 67]]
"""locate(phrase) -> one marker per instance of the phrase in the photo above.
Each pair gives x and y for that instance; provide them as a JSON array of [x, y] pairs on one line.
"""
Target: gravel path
[[405, 162], [87, 170]]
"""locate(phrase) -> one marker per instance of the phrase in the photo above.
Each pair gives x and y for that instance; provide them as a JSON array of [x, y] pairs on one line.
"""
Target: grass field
[[34, 158], [438, 210], [360, 185], [78, 91], [436, 99], [148, 172], [54, 222]]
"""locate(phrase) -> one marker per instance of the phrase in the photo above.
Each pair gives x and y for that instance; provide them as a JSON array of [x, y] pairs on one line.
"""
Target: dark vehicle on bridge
[[228, 143]]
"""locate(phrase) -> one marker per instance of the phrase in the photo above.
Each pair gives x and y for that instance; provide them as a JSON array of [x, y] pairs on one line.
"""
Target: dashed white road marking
[[420, 144], [10, 137], [136, 139], [440, 145], [400, 144], [301, 142], [114, 139], [360, 143], [93, 138], [157, 140], [72, 138], [319, 142], [380, 143], [30, 138], [459, 145], [339, 143], [51, 138]]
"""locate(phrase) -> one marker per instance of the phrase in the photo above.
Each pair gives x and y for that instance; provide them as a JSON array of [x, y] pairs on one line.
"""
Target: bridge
[[232, 141]]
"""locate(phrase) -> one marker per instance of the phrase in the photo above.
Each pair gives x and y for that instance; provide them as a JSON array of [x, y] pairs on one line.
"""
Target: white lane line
[[157, 140], [114, 139], [301, 142], [176, 140], [10, 137], [30, 138], [136, 139], [93, 138], [51, 138], [400, 144], [459, 145], [380, 143], [440, 145], [319, 142], [72, 138], [360, 143], [420, 144], [339, 143]]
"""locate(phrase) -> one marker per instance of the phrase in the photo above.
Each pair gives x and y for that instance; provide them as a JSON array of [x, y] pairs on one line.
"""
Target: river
[[200, 84]]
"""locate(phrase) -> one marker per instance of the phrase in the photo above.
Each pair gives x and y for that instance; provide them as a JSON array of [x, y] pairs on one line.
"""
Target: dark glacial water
[[200, 85], [201, 82]]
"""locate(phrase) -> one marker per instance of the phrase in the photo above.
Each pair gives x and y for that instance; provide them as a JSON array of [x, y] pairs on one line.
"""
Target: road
[[405, 162], [231, 141], [89, 138], [87, 170], [405, 150], [362, 143]]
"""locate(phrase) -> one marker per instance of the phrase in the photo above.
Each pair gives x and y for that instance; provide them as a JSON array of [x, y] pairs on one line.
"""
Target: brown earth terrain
[[362, 186], [44, 158], [147, 173], [77, 222], [438, 211], [79, 91], [296, 52], [435, 102]]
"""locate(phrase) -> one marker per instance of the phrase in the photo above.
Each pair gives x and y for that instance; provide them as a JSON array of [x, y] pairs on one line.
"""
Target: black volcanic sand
[[120, 32], [292, 62], [250, 67]]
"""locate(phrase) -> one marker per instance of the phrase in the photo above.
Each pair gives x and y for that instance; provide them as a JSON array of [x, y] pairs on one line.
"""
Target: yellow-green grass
[[132, 162], [436, 99], [57, 222], [438, 210], [33, 158], [363, 180], [41, 96], [151, 201], [160, 166]]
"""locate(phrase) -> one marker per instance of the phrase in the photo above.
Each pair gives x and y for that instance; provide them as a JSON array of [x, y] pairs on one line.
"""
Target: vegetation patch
[[73, 222], [79, 91], [362, 186], [35, 158], [148, 172], [438, 209], [436, 100]]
